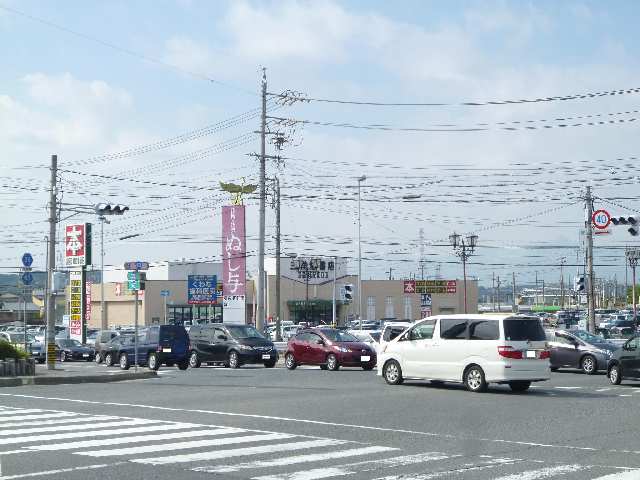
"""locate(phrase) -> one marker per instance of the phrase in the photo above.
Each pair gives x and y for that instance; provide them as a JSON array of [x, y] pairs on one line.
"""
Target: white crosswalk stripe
[[218, 449]]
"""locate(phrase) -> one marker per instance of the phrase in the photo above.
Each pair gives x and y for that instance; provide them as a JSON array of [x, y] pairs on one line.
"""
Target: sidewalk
[[77, 372]]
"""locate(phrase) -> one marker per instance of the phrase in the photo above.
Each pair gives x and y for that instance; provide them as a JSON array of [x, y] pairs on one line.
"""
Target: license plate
[[85, 354], [531, 354], [166, 350], [266, 356], [365, 358]]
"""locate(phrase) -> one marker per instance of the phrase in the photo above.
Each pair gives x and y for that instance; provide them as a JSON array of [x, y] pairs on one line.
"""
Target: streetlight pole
[[360, 180], [463, 248], [632, 255]]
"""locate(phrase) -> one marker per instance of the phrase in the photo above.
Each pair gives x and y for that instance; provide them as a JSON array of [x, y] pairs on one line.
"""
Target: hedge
[[8, 350]]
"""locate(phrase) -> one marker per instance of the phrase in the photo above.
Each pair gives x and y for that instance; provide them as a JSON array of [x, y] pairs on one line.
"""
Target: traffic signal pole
[[591, 322], [51, 265]]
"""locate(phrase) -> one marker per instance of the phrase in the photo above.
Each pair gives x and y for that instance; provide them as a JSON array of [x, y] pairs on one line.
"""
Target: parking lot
[[573, 426]]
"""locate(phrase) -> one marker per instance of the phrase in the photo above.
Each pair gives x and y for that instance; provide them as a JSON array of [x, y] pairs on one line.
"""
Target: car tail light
[[508, 352], [545, 354]]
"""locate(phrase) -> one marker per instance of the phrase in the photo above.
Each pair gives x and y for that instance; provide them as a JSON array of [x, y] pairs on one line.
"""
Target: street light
[[103, 210], [463, 248], [360, 180], [632, 255]]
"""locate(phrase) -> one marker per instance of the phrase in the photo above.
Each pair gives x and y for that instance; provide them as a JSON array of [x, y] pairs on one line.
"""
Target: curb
[[120, 377]]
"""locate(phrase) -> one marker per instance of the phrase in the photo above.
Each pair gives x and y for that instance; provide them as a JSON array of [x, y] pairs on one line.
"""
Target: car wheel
[[154, 364], [520, 386], [474, 379], [290, 361], [270, 364], [332, 362], [98, 358], [615, 375], [392, 373], [124, 362], [234, 359], [589, 365], [194, 361], [184, 364], [108, 359]]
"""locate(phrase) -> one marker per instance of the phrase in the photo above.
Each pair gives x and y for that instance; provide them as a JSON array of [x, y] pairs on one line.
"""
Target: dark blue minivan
[[157, 345]]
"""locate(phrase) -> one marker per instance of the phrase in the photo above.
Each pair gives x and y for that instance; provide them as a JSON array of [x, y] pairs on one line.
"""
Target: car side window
[[312, 338], [423, 331], [216, 333], [484, 330], [563, 339], [453, 328], [633, 344]]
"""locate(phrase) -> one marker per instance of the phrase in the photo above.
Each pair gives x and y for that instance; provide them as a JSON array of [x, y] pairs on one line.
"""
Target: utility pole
[[390, 272], [493, 291], [514, 307], [103, 318], [591, 323], [544, 301], [263, 160], [360, 180], [277, 200], [498, 292], [333, 296], [562, 261], [51, 265]]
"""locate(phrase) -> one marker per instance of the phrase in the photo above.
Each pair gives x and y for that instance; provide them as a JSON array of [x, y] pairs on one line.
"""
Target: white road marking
[[544, 472], [315, 474], [603, 389], [628, 475], [31, 418], [279, 462], [93, 433], [238, 452], [315, 422], [471, 467], [624, 395], [65, 420], [67, 428], [568, 388], [138, 438], [214, 442], [62, 470], [7, 413]]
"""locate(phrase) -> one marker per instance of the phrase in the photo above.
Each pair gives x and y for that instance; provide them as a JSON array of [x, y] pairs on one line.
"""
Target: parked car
[[16, 337], [157, 345], [230, 344], [92, 334], [625, 362], [579, 349], [71, 349], [102, 338], [329, 348], [38, 351], [110, 351], [390, 331], [622, 327], [471, 349]]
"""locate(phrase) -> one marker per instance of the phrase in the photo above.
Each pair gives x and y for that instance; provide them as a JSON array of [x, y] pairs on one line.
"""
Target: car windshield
[[588, 337], [69, 343], [523, 329], [339, 336], [244, 331]]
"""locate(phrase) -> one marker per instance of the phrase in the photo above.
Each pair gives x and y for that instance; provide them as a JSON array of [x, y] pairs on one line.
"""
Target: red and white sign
[[75, 248], [409, 286], [234, 263], [601, 219]]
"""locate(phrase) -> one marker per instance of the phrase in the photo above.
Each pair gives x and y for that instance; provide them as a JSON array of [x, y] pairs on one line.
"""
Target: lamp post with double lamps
[[463, 247], [633, 254]]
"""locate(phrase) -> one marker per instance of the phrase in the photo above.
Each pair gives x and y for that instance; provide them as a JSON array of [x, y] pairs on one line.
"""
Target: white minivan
[[471, 349]]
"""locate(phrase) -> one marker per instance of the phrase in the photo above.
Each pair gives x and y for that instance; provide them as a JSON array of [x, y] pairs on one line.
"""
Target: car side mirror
[[318, 341]]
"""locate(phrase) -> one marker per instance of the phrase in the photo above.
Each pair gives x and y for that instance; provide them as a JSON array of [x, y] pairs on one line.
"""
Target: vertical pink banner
[[234, 261]]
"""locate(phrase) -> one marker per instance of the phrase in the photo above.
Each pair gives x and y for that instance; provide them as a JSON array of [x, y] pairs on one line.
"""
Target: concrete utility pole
[[498, 292], [103, 318], [493, 291], [360, 180], [591, 319], [562, 261], [278, 313], [263, 133], [514, 306], [51, 266]]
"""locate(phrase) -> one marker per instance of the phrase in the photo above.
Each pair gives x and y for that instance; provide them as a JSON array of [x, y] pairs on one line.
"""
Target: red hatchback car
[[330, 348]]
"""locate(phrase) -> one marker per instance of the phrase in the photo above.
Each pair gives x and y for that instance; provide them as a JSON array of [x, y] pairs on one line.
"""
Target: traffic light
[[578, 283], [103, 209], [632, 221], [348, 292], [142, 280]]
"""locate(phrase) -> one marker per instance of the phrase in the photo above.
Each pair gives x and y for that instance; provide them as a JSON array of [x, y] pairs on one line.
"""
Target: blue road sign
[[27, 259], [202, 289], [164, 293], [27, 278], [137, 265]]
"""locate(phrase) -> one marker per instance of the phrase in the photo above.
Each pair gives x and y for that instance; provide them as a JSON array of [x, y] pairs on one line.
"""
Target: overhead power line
[[292, 97], [124, 50]]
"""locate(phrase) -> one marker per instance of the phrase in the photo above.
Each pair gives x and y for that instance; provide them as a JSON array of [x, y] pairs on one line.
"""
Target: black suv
[[230, 344], [625, 362]]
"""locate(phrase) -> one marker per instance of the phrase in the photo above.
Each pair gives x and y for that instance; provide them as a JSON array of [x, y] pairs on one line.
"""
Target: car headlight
[[341, 349], [245, 347]]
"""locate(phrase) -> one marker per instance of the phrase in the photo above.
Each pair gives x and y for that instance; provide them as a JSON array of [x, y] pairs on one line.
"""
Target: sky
[[152, 103]]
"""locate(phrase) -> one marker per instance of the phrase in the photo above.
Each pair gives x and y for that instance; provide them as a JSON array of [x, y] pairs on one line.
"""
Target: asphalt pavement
[[309, 424]]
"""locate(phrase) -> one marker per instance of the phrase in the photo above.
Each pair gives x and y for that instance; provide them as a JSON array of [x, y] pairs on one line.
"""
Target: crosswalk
[[239, 453]]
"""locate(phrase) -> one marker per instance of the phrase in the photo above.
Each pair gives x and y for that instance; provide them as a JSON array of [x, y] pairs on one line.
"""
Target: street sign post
[[133, 281], [137, 265], [27, 259], [164, 294], [27, 278], [601, 219]]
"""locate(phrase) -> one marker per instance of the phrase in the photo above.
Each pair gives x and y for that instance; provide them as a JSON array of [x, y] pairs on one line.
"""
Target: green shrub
[[8, 350]]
